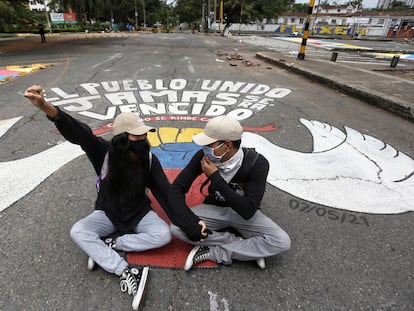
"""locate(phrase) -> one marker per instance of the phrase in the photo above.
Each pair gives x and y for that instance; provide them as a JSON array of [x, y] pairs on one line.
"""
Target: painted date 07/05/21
[[334, 215]]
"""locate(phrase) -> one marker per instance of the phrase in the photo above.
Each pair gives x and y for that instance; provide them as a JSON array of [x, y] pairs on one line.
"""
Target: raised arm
[[36, 97], [73, 130]]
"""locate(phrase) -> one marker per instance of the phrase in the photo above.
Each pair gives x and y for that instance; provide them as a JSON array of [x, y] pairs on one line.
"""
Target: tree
[[119, 10], [397, 5], [13, 15], [245, 10]]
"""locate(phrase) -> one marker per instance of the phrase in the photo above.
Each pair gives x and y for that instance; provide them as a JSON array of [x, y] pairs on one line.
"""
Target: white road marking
[[117, 55], [5, 125], [21, 176]]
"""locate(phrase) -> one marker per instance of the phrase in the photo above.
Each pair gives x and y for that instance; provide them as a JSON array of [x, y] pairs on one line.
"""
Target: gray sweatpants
[[260, 236], [151, 232]]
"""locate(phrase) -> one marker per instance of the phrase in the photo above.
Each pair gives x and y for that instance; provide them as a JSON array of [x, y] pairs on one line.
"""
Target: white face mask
[[209, 152]]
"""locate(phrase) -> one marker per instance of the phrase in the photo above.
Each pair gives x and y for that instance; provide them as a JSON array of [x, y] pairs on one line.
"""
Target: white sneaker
[[91, 264], [197, 254], [110, 242], [261, 263], [132, 281]]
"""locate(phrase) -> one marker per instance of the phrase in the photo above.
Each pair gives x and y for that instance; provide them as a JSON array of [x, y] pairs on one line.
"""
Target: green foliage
[[398, 6], [190, 11], [299, 7], [14, 15]]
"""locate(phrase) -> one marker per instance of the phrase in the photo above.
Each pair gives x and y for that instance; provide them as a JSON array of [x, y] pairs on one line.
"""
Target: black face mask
[[138, 146]]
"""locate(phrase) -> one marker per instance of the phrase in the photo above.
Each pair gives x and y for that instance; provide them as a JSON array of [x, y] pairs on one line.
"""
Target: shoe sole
[[189, 261], [141, 289], [91, 264]]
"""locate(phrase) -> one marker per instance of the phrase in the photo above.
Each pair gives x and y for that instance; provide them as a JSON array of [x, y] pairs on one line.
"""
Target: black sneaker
[[132, 281], [108, 241], [197, 254]]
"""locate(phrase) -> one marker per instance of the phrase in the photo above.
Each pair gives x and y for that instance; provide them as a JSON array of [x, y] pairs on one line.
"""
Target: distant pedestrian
[[42, 32]]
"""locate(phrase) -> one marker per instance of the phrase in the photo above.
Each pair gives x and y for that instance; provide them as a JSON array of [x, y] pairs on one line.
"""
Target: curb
[[400, 108]]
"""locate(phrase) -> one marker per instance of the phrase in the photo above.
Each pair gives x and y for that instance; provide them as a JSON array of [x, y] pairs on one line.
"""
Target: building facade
[[350, 21]]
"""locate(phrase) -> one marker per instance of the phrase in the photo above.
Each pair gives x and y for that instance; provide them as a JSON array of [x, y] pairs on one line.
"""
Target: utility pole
[[215, 15], [305, 35], [143, 9], [136, 15], [241, 14], [47, 17], [221, 14]]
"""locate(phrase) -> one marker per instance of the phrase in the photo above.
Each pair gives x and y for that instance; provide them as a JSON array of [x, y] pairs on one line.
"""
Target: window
[[381, 21], [301, 20], [292, 20], [333, 22]]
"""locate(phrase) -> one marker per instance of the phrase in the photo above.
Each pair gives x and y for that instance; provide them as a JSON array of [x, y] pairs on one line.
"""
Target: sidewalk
[[391, 92]]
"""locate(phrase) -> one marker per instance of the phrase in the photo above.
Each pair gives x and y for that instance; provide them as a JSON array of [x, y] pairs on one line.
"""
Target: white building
[[39, 5], [332, 21]]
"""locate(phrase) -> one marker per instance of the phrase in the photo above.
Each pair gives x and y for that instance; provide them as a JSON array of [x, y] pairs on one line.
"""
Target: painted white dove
[[350, 171]]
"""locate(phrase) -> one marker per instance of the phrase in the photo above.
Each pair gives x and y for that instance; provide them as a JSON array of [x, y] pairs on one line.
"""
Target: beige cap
[[219, 128], [131, 123]]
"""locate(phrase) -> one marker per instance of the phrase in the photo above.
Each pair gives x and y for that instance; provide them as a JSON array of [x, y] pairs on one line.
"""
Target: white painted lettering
[[197, 108], [110, 114], [147, 96], [215, 110], [228, 99], [200, 96], [205, 85], [63, 94], [128, 108], [119, 98], [175, 108], [111, 86], [149, 109], [247, 88], [90, 88], [127, 84], [159, 84], [230, 86], [260, 89], [83, 103], [278, 93], [240, 114], [144, 85], [178, 84]]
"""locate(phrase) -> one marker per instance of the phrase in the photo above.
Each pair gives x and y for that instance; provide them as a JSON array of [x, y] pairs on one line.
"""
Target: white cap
[[219, 128], [128, 122]]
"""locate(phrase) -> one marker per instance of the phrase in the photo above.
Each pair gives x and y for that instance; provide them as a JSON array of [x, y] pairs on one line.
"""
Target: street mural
[[11, 72], [330, 45], [346, 169]]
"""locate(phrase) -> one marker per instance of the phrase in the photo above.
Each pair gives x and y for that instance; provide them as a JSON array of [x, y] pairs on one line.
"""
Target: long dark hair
[[128, 172]]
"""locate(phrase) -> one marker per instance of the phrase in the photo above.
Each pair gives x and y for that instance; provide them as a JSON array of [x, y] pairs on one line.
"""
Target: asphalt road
[[350, 221]]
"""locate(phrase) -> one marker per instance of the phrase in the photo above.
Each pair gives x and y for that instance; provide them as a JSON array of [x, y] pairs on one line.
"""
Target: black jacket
[[95, 148], [245, 202]]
